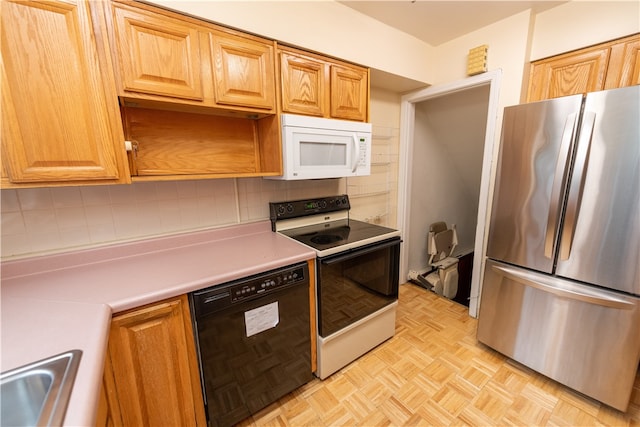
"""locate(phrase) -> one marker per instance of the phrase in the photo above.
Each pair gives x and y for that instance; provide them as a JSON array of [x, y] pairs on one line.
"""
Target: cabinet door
[[624, 65], [158, 55], [244, 73], [59, 110], [108, 411], [152, 353], [349, 93], [103, 416], [304, 85], [580, 72]]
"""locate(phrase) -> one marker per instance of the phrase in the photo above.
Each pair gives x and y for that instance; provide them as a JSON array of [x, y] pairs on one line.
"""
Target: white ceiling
[[436, 22]]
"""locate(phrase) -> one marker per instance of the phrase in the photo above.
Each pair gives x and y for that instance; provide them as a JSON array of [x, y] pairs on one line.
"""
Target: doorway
[[448, 139]]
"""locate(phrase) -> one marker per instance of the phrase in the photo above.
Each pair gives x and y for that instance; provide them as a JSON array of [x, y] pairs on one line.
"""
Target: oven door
[[352, 285]]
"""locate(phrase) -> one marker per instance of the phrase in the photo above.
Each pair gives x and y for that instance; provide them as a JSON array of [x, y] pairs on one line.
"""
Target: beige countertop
[[55, 303]]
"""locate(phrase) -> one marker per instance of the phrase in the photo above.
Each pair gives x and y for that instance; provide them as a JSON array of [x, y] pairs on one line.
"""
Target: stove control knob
[[289, 208], [280, 209], [323, 204]]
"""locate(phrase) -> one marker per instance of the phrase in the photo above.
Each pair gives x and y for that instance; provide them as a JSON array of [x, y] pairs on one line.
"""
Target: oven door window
[[354, 285]]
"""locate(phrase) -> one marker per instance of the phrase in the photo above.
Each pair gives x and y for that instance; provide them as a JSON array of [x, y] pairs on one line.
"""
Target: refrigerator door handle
[[562, 288], [577, 184], [560, 177]]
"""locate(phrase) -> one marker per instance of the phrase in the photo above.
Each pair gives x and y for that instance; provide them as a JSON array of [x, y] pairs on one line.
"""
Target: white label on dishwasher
[[261, 318]]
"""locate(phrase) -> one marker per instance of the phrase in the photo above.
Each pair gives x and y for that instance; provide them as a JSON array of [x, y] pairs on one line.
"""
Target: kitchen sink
[[38, 393]]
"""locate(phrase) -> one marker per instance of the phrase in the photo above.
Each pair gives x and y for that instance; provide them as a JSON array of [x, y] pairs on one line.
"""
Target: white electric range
[[357, 276]]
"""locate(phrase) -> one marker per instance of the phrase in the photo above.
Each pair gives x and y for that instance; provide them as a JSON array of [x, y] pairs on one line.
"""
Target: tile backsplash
[[42, 220]]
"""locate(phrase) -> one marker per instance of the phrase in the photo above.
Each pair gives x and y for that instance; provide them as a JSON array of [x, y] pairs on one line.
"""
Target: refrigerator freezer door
[[534, 156], [600, 241], [578, 335]]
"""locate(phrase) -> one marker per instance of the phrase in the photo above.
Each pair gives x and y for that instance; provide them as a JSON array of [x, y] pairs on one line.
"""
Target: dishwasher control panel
[[220, 297], [266, 284]]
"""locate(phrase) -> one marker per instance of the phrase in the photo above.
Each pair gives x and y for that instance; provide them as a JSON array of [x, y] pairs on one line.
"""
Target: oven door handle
[[357, 252]]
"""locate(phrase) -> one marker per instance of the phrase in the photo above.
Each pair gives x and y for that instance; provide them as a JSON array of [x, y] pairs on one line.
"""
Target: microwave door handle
[[354, 166]]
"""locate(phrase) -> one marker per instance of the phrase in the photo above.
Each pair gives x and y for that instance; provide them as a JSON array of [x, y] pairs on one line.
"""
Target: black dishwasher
[[254, 341]]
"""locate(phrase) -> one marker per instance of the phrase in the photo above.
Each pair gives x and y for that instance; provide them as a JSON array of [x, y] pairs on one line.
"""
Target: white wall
[[447, 159], [578, 24], [324, 26], [375, 198], [508, 42]]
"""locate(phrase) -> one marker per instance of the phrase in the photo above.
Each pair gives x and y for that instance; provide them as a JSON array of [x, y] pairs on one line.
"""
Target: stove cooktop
[[330, 235], [324, 224]]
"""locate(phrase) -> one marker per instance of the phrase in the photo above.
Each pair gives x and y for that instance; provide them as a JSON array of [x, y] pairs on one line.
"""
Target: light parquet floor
[[434, 372]]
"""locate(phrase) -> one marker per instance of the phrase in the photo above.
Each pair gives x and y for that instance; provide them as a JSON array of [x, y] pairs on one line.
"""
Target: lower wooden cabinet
[[108, 412], [151, 372]]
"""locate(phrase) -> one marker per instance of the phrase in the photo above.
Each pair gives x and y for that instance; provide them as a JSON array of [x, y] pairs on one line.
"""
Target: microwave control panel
[[362, 160]]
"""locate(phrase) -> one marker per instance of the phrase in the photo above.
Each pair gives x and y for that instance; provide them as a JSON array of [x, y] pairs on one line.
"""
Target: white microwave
[[314, 148]]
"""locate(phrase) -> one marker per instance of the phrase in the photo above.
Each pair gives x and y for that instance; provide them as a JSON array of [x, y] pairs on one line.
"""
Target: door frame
[[491, 143]]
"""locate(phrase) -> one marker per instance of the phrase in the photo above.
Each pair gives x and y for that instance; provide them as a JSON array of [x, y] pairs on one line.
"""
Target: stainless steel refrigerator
[[561, 289]]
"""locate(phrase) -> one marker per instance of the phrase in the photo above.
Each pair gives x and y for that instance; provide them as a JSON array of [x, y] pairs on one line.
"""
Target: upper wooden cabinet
[[569, 74], [152, 375], [168, 57], [157, 54], [604, 66], [624, 65], [244, 71], [304, 84], [349, 92], [60, 119], [324, 87]]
